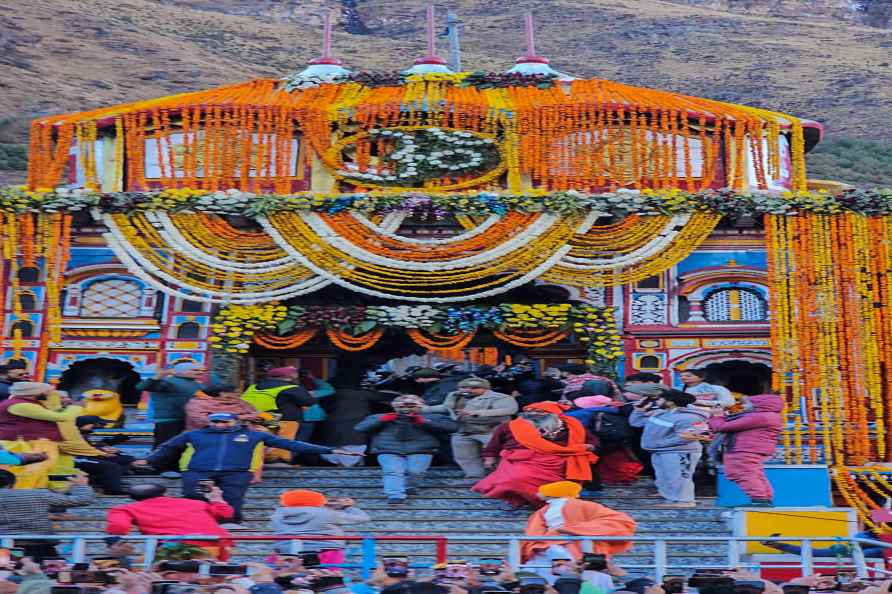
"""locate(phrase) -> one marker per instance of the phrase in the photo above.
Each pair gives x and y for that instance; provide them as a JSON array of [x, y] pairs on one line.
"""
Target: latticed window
[[735, 305], [113, 298]]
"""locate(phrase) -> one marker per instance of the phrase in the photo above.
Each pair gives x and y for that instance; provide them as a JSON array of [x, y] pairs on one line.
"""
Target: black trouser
[[105, 473], [234, 484], [165, 430]]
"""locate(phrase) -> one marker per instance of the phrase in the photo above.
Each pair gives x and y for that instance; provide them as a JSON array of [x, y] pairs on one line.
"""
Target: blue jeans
[[395, 467]]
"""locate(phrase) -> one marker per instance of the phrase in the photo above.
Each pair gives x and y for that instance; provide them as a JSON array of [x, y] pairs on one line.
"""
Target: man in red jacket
[[153, 513]]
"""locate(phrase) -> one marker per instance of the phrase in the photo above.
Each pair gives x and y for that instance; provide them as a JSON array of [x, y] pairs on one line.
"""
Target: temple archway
[[101, 373]]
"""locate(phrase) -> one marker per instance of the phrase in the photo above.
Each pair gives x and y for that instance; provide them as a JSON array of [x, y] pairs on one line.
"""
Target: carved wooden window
[[112, 298], [735, 305]]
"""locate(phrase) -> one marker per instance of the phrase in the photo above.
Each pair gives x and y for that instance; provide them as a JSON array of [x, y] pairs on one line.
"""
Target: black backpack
[[611, 427]]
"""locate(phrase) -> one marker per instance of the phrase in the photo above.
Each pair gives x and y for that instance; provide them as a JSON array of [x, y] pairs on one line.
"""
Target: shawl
[[579, 459]]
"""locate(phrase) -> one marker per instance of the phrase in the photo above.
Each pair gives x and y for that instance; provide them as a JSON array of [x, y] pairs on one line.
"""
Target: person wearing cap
[[478, 411], [223, 452], [405, 441], [153, 513], [34, 411], [310, 512], [564, 514], [541, 445], [670, 427], [170, 390], [281, 392]]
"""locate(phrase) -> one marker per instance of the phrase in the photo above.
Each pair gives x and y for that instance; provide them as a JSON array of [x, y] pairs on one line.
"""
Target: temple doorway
[[739, 375], [101, 373]]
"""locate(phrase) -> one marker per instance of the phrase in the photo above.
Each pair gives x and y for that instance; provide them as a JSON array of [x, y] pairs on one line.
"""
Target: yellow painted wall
[[796, 523]]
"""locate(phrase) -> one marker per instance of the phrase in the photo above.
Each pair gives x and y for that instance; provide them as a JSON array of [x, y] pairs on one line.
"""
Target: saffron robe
[[581, 518]]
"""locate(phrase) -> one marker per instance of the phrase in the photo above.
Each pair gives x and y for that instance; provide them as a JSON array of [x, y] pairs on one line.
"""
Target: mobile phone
[[673, 584], [206, 486], [327, 582], [845, 577], [749, 587], [594, 562], [456, 570], [106, 562], [490, 566], [397, 566], [701, 580], [562, 566], [67, 590], [79, 576], [532, 585], [160, 587], [310, 559], [227, 569], [59, 477], [796, 589], [180, 566]]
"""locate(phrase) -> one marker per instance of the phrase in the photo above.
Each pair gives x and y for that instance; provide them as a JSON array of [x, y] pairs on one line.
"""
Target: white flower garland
[[521, 280], [537, 228], [659, 243]]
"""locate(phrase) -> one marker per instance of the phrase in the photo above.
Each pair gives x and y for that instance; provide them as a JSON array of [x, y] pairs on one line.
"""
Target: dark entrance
[[741, 376], [101, 373]]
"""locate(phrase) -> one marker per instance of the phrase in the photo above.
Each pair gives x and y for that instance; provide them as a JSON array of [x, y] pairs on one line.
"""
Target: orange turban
[[302, 498], [549, 407], [560, 489]]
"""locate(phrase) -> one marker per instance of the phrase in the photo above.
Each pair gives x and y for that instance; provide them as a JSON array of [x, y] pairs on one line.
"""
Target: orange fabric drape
[[579, 459], [581, 518]]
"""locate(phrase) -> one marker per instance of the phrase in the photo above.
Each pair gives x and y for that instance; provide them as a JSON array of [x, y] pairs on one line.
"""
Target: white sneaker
[[233, 526]]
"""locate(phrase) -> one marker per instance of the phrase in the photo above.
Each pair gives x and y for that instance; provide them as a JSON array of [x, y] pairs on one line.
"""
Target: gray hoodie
[[315, 520], [662, 430]]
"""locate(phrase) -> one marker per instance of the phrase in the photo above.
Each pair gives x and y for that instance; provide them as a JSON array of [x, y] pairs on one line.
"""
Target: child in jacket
[[751, 438]]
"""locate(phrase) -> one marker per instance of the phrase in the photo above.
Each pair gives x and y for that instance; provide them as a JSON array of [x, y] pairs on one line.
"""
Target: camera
[[81, 576], [796, 589], [594, 562], [396, 566]]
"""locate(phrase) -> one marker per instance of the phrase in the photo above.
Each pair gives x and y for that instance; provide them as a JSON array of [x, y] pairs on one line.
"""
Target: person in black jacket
[[405, 441], [280, 392]]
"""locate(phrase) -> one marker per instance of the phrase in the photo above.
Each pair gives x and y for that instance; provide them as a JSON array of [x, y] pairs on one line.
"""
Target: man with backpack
[[603, 417]]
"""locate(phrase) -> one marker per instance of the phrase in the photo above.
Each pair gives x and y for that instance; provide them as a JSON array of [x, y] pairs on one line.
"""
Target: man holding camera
[[478, 411], [223, 452], [671, 427]]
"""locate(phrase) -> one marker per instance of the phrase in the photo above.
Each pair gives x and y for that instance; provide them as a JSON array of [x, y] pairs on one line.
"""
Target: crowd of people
[[536, 442]]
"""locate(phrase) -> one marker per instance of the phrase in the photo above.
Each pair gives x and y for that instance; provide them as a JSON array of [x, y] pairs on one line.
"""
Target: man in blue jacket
[[222, 454]]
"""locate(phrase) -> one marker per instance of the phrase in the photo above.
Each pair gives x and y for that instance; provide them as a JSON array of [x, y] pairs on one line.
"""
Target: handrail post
[[660, 559], [149, 552], [514, 553], [368, 557], [733, 553], [442, 549], [860, 562], [78, 549], [807, 557]]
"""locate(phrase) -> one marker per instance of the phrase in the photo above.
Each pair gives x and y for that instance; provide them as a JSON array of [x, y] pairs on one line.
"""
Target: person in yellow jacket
[[280, 392]]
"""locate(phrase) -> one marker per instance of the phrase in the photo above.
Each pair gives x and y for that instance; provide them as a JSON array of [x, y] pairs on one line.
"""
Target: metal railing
[[732, 548]]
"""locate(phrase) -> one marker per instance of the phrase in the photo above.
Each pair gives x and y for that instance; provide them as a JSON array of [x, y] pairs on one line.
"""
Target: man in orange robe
[[541, 446], [565, 514]]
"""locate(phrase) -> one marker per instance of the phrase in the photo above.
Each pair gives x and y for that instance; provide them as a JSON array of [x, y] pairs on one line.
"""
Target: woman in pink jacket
[[750, 439]]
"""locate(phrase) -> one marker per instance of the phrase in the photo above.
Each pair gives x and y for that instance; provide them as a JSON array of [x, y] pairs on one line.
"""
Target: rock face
[[874, 13]]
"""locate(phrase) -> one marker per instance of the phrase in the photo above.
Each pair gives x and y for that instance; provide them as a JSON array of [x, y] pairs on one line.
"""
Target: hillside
[[64, 55]]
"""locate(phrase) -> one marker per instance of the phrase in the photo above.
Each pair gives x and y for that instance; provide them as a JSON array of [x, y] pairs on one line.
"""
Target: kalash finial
[[531, 63], [325, 68], [431, 62]]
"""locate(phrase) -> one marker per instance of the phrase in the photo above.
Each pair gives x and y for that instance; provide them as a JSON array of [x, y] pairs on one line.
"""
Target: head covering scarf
[[579, 459], [281, 372], [592, 401], [302, 498]]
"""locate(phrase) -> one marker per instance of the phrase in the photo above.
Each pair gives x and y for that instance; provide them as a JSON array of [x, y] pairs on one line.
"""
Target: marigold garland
[[346, 342], [438, 342]]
